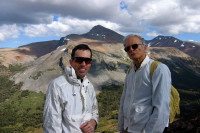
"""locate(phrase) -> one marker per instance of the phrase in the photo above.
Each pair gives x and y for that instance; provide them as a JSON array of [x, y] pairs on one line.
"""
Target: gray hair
[[131, 35]]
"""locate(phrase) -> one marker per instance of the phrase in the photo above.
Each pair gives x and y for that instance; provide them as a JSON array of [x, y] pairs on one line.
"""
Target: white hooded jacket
[[69, 104]]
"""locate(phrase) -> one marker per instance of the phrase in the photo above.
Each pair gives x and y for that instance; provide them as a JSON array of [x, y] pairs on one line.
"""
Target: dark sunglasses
[[134, 46], [81, 59]]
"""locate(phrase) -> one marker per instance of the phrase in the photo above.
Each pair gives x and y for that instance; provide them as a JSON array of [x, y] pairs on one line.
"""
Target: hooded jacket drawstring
[[74, 94]]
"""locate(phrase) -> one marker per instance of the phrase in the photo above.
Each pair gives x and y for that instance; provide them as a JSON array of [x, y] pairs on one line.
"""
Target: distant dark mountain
[[190, 48], [40, 48], [165, 41], [109, 36], [101, 33]]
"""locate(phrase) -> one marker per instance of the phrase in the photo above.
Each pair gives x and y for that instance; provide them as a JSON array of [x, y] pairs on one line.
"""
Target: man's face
[[80, 63], [139, 53]]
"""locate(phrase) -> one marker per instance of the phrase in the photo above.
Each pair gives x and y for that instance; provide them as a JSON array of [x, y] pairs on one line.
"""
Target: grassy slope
[[22, 112]]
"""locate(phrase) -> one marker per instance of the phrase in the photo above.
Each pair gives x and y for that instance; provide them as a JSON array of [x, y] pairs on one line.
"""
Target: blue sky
[[27, 21]]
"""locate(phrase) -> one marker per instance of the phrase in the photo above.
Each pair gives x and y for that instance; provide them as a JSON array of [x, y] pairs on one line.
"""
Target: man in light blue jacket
[[71, 105], [144, 105]]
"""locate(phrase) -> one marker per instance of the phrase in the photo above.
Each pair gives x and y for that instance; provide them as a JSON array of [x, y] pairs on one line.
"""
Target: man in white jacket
[[71, 105], [144, 105]]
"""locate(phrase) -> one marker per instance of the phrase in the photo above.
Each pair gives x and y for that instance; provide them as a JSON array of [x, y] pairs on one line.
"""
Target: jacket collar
[[144, 62]]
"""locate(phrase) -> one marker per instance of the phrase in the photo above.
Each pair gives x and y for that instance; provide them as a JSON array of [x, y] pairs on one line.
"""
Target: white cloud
[[9, 31], [65, 26], [170, 17], [153, 34], [35, 17], [36, 30]]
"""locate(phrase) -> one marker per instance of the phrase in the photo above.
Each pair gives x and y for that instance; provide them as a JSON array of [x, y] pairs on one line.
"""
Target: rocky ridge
[[109, 65], [188, 47]]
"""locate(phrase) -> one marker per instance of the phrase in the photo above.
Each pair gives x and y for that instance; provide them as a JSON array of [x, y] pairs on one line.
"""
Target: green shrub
[[25, 113]]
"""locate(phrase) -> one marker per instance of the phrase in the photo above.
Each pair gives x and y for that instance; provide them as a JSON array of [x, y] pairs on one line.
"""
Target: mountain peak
[[165, 37], [99, 29], [101, 33]]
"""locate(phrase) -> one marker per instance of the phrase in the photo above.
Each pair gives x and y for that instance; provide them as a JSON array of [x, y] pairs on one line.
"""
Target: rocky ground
[[190, 124]]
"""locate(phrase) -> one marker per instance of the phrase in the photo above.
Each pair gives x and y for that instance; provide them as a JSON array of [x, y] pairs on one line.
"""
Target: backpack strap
[[153, 67], [130, 68], [174, 95]]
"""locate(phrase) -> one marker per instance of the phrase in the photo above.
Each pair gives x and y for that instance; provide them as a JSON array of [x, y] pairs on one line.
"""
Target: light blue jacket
[[144, 105]]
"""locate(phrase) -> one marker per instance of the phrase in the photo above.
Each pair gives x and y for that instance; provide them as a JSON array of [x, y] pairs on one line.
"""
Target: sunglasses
[[81, 59], [134, 46]]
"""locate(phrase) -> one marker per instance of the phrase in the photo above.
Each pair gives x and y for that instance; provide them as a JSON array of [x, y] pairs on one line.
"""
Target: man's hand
[[89, 126]]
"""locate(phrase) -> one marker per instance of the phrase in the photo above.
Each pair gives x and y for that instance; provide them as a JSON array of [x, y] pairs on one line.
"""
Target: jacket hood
[[71, 76]]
